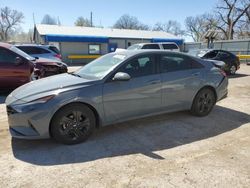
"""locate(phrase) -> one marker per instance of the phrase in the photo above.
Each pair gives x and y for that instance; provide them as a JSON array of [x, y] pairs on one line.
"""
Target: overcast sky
[[105, 13]]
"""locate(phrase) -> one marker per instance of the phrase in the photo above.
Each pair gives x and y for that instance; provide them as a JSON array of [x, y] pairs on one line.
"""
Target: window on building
[[129, 44], [94, 49]]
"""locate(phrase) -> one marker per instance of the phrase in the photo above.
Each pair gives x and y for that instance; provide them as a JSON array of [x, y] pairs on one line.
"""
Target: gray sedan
[[114, 88]]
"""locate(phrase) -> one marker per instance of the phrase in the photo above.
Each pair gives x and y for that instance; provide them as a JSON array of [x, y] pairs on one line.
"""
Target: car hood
[[47, 86], [46, 61]]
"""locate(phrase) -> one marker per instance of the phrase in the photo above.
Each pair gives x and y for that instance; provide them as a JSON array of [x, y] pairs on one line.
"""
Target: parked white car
[[170, 46]]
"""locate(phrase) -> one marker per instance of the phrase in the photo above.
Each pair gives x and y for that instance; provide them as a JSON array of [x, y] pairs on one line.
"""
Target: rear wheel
[[203, 102], [73, 124]]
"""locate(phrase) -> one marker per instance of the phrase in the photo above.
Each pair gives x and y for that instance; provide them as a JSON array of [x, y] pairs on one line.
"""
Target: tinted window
[[54, 49], [224, 55], [33, 50], [174, 62], [169, 46], [6, 56], [151, 46], [140, 66], [211, 54]]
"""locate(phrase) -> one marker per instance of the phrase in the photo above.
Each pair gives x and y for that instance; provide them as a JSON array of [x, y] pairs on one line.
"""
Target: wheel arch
[[97, 116], [208, 87]]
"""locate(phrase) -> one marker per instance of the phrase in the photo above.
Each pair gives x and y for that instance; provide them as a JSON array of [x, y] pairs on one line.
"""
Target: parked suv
[[41, 51], [170, 46]]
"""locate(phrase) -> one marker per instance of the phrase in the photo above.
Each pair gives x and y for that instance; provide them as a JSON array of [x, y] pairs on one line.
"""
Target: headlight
[[43, 99], [31, 105]]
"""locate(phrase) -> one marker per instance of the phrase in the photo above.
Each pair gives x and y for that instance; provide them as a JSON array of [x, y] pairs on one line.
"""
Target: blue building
[[82, 44]]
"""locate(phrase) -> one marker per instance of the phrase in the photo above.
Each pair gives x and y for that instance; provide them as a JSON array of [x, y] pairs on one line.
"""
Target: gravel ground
[[171, 150]]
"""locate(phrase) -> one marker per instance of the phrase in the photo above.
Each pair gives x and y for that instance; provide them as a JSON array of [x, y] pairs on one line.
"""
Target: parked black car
[[232, 62]]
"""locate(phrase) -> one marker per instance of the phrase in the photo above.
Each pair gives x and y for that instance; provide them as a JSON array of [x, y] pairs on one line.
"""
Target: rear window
[[151, 46], [54, 49], [170, 46], [33, 50]]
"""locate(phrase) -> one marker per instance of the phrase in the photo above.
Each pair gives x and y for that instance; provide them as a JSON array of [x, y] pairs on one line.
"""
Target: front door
[[12, 75], [139, 96]]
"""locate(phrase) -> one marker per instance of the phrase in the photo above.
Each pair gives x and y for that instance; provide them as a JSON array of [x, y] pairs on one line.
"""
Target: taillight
[[58, 56], [223, 73]]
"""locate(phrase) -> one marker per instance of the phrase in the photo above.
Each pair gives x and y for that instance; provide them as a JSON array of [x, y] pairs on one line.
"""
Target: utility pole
[[91, 19]]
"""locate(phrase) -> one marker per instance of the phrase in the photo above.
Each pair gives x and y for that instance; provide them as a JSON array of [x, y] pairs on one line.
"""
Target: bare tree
[[130, 22], [9, 21], [171, 26], [230, 14], [197, 26], [84, 22], [49, 20]]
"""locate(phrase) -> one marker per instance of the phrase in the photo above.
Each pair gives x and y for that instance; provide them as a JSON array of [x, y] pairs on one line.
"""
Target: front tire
[[203, 102], [73, 124]]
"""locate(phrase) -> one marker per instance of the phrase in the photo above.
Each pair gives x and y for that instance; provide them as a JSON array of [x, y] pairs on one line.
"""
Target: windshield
[[134, 47], [100, 67], [198, 53], [21, 53]]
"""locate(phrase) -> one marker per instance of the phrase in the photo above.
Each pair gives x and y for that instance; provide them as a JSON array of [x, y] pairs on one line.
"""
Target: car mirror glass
[[121, 76]]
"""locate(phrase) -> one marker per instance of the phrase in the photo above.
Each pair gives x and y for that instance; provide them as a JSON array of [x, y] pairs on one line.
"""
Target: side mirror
[[36, 57], [18, 61], [121, 76]]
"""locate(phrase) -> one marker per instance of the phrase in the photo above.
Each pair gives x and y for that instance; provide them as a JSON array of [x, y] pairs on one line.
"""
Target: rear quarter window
[[54, 49], [169, 46], [151, 46]]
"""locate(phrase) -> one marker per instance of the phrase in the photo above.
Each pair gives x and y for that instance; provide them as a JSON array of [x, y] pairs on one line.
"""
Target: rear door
[[12, 75], [181, 79], [139, 96]]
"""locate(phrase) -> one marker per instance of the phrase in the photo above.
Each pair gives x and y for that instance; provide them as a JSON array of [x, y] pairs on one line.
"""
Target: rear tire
[[203, 102], [73, 124]]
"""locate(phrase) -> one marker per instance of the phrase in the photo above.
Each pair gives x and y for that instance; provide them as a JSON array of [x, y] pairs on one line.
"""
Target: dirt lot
[[173, 150]]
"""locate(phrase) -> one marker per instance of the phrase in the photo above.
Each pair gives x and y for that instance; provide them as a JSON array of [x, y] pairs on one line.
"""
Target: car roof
[[34, 45], [5, 45], [130, 53]]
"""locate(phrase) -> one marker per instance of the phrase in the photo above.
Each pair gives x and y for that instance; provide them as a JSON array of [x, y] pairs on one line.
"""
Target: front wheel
[[203, 102], [73, 124]]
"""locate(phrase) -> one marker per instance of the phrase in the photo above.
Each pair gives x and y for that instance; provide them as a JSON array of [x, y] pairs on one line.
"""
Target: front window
[[140, 66], [94, 49], [100, 67], [134, 47]]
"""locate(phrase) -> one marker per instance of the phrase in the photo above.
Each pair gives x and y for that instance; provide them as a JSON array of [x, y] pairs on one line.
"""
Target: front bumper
[[28, 124]]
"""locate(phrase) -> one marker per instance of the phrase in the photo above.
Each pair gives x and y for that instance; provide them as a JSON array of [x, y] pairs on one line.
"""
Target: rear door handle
[[154, 82]]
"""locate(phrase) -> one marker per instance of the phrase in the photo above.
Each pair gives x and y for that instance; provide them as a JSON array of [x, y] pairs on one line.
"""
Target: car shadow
[[144, 136], [237, 75]]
